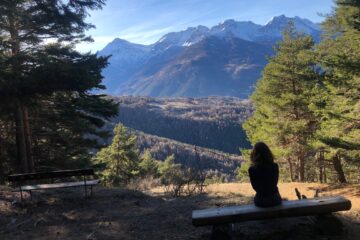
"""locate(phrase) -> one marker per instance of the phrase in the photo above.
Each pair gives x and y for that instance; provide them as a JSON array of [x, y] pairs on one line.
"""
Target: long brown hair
[[261, 155]]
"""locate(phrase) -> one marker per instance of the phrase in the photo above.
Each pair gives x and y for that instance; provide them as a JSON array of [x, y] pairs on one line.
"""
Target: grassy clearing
[[287, 190], [124, 214]]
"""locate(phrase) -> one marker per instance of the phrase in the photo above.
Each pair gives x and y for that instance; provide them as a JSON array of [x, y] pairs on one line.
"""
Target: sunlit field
[[114, 213], [287, 190]]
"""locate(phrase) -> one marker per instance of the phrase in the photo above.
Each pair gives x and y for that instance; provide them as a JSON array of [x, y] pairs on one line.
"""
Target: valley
[[204, 132], [187, 94]]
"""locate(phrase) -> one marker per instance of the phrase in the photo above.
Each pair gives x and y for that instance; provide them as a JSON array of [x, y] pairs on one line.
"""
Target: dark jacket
[[264, 181]]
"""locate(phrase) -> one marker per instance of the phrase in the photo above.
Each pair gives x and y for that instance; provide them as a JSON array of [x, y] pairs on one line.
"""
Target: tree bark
[[23, 136], [2, 158], [321, 166], [27, 137], [301, 167], [291, 169], [20, 141], [338, 168]]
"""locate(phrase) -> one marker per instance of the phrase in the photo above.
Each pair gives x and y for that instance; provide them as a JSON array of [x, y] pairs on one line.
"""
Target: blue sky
[[145, 21]]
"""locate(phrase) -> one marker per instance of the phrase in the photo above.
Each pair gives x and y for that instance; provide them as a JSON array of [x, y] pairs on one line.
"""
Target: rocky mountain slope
[[224, 60]]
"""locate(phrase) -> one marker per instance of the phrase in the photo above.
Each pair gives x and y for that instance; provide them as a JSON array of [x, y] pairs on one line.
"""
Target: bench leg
[[85, 191], [221, 232], [21, 196], [85, 187]]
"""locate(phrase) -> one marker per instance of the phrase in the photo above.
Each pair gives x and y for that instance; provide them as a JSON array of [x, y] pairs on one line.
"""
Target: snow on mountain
[[274, 28], [246, 30], [243, 30], [214, 66], [186, 37], [123, 50], [131, 62], [125, 58]]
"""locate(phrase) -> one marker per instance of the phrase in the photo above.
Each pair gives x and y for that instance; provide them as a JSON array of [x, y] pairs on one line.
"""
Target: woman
[[264, 175]]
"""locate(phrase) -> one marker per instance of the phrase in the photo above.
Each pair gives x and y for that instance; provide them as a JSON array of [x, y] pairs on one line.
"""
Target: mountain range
[[224, 60]]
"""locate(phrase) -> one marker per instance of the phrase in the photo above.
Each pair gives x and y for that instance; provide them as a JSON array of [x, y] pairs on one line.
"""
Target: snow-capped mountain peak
[[246, 30], [301, 24], [122, 46], [231, 41], [243, 30], [186, 37], [278, 19]]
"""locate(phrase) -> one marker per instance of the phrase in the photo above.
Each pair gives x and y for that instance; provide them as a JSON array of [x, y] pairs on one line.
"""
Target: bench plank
[[58, 185], [304, 207], [49, 175]]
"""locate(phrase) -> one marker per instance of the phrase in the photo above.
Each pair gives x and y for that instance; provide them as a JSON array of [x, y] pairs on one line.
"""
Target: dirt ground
[[124, 214]]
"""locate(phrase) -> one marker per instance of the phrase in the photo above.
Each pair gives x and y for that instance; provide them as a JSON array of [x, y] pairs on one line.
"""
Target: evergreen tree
[[35, 75], [148, 165], [171, 172], [121, 157], [173, 176], [282, 117], [339, 56]]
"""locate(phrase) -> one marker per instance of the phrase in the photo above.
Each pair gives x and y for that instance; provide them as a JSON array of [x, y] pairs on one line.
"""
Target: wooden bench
[[304, 207], [52, 176]]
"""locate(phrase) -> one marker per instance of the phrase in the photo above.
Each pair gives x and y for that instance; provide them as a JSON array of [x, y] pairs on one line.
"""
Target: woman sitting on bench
[[264, 175]]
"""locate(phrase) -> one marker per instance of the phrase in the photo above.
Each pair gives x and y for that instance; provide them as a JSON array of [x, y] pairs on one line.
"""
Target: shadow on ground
[[126, 214]]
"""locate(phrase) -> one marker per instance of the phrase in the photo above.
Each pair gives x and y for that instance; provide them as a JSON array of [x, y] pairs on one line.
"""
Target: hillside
[[212, 122], [215, 163], [213, 66]]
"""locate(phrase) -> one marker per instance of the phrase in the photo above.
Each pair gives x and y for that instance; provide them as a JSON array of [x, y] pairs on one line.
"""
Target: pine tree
[[34, 74], [121, 157], [148, 165], [339, 56], [282, 117]]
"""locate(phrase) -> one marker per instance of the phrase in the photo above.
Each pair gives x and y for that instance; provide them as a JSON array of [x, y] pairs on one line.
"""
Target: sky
[[146, 21]]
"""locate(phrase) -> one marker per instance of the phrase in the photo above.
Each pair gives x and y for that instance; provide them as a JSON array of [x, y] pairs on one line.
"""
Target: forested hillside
[[215, 163], [212, 122]]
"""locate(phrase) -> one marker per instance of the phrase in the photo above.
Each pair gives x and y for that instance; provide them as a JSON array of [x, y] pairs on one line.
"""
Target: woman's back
[[264, 176], [264, 179]]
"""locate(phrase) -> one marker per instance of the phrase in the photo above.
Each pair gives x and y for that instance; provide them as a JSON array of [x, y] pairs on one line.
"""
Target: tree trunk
[[27, 136], [20, 141], [2, 158], [321, 166], [23, 142], [338, 168], [291, 169], [301, 167]]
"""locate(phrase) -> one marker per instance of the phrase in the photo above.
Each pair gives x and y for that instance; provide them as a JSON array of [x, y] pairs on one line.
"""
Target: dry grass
[[123, 214], [350, 191]]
